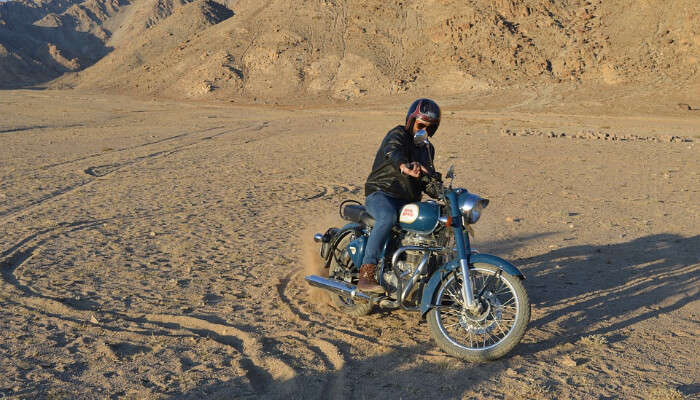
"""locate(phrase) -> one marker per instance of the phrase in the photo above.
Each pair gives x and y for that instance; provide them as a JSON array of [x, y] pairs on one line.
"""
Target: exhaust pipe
[[338, 287]]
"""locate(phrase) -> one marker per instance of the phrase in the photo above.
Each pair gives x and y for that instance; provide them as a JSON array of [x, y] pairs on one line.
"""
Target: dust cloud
[[312, 263]]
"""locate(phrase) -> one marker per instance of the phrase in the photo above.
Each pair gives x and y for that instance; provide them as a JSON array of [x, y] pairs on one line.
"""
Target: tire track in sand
[[335, 385], [20, 252], [102, 171], [166, 139], [263, 372], [333, 325], [333, 359], [329, 191], [19, 211], [337, 324]]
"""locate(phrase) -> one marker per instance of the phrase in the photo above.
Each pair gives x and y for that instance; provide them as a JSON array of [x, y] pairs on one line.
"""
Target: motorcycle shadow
[[414, 372], [587, 290], [576, 291]]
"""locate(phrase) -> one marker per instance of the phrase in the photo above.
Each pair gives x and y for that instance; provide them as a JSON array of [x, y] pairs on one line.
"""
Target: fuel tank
[[419, 217]]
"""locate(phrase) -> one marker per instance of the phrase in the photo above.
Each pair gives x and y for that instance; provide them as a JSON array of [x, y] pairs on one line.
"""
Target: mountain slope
[[42, 40], [339, 49]]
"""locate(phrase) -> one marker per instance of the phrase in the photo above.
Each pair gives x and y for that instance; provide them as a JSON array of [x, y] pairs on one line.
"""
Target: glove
[[433, 184]]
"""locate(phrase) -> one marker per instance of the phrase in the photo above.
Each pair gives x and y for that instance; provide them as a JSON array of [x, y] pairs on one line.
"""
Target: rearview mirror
[[420, 138], [450, 172]]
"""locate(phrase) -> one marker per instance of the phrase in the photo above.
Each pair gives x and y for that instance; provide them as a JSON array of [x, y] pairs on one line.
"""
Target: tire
[[341, 269], [491, 334]]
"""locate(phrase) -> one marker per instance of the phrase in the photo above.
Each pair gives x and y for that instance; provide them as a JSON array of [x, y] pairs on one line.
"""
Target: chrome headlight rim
[[471, 206]]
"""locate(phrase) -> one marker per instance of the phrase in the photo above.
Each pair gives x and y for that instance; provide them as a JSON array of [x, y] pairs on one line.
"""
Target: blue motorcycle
[[476, 305]]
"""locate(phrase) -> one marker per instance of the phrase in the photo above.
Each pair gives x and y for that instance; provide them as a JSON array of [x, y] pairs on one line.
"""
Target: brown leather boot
[[368, 283]]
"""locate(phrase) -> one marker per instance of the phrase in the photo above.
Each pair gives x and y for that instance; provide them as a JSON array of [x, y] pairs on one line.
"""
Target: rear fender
[[431, 287]]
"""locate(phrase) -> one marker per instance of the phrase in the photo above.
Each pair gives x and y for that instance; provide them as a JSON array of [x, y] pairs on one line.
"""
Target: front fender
[[431, 287]]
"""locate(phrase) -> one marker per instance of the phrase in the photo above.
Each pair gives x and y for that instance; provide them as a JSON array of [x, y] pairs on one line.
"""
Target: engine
[[413, 257], [408, 262]]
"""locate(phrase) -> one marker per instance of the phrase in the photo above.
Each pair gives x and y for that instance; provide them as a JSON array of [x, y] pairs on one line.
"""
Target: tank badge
[[353, 250], [409, 213]]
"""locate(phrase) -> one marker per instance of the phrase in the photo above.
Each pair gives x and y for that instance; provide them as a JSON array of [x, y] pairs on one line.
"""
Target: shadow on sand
[[413, 372], [585, 290], [602, 289]]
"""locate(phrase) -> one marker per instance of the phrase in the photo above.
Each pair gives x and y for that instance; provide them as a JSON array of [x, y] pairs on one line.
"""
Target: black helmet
[[425, 110]]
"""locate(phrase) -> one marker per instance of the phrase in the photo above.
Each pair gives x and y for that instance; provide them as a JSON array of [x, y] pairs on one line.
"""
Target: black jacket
[[397, 148]]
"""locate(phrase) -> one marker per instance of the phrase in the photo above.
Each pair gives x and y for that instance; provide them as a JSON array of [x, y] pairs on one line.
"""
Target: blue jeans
[[385, 211]]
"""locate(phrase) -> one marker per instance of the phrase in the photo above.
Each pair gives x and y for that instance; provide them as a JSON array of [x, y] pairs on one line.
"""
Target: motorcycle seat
[[357, 213]]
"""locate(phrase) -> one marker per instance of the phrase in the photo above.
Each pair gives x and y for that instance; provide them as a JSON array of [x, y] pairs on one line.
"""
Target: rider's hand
[[432, 184], [413, 169]]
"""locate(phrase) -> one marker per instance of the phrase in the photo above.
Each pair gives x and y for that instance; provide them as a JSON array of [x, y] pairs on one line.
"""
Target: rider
[[395, 181]]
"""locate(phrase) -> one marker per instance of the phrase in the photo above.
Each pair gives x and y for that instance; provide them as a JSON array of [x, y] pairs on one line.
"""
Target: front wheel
[[489, 333]]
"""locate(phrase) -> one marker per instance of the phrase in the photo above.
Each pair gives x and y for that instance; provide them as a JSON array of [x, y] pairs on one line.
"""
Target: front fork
[[467, 291], [463, 251]]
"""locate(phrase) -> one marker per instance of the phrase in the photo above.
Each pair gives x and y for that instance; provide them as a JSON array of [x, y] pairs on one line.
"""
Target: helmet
[[426, 110]]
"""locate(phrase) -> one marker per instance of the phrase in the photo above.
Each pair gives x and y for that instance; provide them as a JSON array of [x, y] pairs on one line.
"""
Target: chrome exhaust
[[336, 286]]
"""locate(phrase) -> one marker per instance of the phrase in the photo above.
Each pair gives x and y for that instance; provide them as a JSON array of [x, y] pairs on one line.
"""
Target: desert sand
[[157, 248], [164, 164]]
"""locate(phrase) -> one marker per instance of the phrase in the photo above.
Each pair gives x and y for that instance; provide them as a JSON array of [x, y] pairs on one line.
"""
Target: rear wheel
[[343, 269], [494, 330]]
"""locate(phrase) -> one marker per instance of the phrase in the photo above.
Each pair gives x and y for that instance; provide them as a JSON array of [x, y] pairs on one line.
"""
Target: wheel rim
[[487, 329]]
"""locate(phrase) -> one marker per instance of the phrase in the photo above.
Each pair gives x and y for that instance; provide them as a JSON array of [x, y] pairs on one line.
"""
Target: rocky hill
[[41, 40], [341, 50]]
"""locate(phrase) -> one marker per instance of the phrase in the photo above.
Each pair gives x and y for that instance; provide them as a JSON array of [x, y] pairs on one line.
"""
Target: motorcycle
[[475, 304]]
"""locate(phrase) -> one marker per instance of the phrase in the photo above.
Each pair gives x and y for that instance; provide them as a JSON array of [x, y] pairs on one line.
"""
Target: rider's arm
[[394, 150]]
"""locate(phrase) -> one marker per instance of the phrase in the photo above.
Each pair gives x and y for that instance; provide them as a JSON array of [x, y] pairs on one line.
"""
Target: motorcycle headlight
[[471, 206]]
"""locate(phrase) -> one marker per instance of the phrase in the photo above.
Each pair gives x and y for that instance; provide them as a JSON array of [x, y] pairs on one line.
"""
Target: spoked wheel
[[490, 332], [342, 268]]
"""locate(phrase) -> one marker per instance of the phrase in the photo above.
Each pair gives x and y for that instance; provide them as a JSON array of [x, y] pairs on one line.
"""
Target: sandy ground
[[154, 249]]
